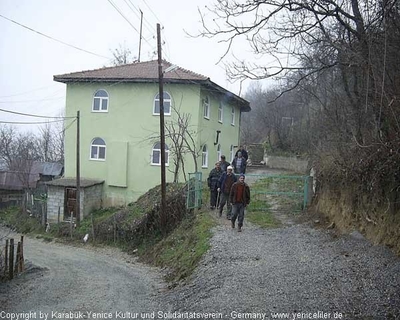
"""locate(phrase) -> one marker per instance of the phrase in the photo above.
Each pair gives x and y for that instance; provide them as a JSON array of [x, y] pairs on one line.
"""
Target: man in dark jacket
[[224, 164], [212, 182], [240, 198], [225, 184], [239, 164]]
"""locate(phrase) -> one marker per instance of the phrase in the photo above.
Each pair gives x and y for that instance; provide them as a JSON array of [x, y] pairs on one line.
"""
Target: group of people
[[226, 188]]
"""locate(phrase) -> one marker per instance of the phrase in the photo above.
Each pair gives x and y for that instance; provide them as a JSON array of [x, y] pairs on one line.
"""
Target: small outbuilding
[[61, 197]]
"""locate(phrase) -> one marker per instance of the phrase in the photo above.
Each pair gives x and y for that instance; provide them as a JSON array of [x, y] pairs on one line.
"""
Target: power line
[[123, 16], [23, 93], [35, 115], [54, 39], [38, 100], [18, 122]]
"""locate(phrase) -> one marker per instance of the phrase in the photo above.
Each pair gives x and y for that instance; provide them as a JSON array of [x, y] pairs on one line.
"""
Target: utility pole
[[140, 34], [78, 172], [163, 212]]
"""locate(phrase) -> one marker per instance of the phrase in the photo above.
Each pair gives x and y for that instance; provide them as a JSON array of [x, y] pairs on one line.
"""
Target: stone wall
[[288, 163], [55, 200]]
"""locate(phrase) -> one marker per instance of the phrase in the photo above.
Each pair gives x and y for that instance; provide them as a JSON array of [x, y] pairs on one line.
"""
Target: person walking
[[243, 151], [224, 164], [225, 184], [239, 164], [240, 198], [212, 181]]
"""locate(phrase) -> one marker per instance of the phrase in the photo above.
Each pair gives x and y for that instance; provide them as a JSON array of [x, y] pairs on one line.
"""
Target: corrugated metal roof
[[47, 168], [10, 180]]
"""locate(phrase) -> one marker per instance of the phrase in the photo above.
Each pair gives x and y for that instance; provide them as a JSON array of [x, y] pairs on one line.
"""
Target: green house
[[120, 126]]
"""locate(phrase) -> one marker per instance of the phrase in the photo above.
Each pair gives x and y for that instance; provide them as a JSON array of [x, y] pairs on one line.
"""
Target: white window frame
[[166, 100], [206, 107], [232, 152], [101, 100], [220, 112], [204, 157], [157, 148], [219, 152], [233, 116], [98, 146]]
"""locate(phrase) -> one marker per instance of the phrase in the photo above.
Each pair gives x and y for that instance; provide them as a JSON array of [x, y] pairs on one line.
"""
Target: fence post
[[71, 223], [115, 229], [6, 259], [22, 254], [11, 260], [58, 219], [17, 258]]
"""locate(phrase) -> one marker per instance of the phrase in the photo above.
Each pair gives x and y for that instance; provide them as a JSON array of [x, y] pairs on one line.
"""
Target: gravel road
[[295, 272], [85, 279]]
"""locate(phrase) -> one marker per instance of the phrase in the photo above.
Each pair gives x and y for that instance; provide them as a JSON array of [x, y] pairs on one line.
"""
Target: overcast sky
[[29, 60]]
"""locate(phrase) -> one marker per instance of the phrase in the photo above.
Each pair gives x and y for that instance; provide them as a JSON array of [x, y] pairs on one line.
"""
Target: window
[[233, 116], [100, 101], [167, 104], [220, 112], [219, 153], [232, 151], [206, 108], [98, 149], [156, 154], [204, 157]]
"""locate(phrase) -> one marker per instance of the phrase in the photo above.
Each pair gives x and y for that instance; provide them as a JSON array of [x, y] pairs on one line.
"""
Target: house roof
[[47, 168], [11, 180], [147, 72], [71, 182]]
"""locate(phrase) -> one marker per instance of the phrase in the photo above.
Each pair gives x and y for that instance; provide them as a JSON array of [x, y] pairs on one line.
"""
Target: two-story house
[[119, 125]]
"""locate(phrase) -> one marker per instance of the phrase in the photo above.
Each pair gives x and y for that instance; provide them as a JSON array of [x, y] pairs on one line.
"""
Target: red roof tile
[[140, 71]]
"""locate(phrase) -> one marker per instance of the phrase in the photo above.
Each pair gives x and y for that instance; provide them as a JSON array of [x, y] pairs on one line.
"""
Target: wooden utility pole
[[140, 34], [163, 212], [78, 172]]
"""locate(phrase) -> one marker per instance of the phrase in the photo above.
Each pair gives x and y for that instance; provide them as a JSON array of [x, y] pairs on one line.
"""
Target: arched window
[[219, 153], [206, 107], [100, 101], [98, 149], [167, 104], [156, 154], [204, 157], [232, 152]]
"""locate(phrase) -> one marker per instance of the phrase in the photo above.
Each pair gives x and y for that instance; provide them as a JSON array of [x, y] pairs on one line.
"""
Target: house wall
[[130, 129], [92, 199]]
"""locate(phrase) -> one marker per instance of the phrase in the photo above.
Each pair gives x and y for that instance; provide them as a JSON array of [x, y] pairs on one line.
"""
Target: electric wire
[[42, 122], [34, 115], [54, 39]]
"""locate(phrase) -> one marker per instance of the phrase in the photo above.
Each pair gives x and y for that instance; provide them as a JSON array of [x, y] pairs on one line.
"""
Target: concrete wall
[[55, 199], [288, 163], [91, 198]]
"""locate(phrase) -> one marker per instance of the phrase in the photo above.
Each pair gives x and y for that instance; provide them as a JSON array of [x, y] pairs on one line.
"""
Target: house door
[[70, 203]]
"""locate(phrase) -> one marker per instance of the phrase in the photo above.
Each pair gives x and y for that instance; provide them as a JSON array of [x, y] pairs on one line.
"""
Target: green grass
[[23, 222], [260, 214], [181, 251]]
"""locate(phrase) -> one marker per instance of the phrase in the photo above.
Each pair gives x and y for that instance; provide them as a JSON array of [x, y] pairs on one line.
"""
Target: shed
[[61, 195]]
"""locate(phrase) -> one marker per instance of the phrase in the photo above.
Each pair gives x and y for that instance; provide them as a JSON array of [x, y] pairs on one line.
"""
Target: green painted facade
[[129, 129]]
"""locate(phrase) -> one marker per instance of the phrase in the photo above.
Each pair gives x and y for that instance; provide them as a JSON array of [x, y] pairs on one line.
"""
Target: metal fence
[[194, 191], [278, 192]]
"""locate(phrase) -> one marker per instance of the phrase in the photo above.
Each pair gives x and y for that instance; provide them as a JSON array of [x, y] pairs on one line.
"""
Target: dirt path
[[73, 279], [292, 272]]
